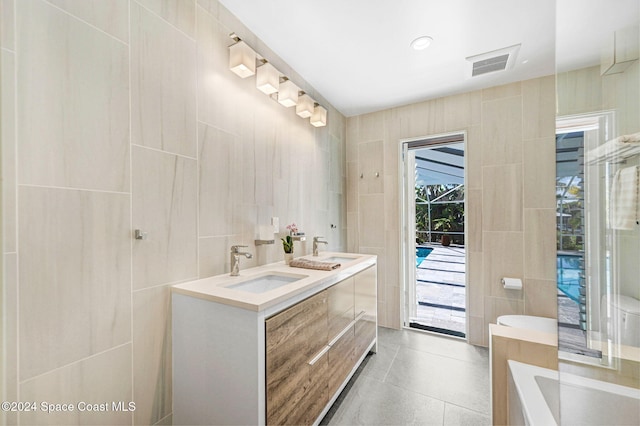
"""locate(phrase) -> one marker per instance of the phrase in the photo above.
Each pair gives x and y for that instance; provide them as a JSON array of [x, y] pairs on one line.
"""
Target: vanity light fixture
[[288, 94], [319, 116], [242, 59], [305, 105], [421, 43], [267, 78]]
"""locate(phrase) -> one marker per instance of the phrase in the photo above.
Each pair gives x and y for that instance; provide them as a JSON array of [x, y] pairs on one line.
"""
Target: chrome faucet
[[316, 241], [235, 259]]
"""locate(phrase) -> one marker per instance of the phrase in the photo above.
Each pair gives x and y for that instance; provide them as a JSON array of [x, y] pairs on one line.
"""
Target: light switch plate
[[275, 222]]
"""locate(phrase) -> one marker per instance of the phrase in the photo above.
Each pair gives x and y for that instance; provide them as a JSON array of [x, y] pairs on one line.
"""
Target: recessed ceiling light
[[421, 43]]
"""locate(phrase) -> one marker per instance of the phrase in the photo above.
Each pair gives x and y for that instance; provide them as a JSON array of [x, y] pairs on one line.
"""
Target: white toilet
[[625, 319], [546, 325]]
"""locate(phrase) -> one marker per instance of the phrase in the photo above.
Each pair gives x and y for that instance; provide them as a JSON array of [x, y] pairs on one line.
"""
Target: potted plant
[[444, 224], [287, 243]]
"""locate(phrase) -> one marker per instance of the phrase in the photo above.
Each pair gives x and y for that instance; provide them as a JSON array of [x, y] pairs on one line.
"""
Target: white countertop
[[216, 288]]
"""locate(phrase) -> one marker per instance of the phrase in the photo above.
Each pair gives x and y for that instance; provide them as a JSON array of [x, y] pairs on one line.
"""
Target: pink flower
[[292, 228]]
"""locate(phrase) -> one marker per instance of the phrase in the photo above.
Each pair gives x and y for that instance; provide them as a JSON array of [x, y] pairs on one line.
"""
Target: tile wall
[[510, 195], [120, 115]]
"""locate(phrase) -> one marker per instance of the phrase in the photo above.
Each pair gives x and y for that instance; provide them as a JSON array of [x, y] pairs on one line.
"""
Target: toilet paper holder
[[511, 283]]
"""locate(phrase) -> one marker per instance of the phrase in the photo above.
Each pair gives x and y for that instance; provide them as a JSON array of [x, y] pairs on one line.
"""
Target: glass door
[[435, 258]]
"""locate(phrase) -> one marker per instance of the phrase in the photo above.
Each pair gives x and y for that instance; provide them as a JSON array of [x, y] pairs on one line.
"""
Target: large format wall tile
[[473, 157], [220, 182], [462, 111], [102, 379], [7, 34], [505, 173], [538, 108], [502, 257], [152, 354], [579, 91], [371, 168], [110, 16], [371, 219], [10, 332], [74, 269], [502, 91], [539, 244], [164, 206], [540, 297], [221, 94], [180, 13], [502, 131], [73, 103], [474, 220], [163, 85], [502, 198], [214, 255], [8, 138], [539, 173]]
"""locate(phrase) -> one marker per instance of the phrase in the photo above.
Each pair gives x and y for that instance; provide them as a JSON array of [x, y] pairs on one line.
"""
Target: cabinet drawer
[[366, 291], [317, 394], [341, 359], [293, 338], [365, 333], [340, 306]]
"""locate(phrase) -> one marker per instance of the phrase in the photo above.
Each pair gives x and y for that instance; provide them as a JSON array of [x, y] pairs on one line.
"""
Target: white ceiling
[[356, 52]]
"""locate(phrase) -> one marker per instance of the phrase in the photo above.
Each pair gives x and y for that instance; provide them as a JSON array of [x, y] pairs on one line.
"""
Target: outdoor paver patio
[[440, 282]]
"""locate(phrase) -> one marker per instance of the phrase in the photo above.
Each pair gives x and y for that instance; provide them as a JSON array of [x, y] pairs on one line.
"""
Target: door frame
[[406, 236]]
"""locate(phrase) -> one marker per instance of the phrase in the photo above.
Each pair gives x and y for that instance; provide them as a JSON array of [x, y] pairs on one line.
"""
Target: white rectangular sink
[[266, 282]]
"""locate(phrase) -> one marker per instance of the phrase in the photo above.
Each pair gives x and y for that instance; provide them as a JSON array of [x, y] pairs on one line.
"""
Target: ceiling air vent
[[496, 60]]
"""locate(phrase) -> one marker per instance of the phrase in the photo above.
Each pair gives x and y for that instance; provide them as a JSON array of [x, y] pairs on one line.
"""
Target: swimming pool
[[569, 271], [422, 253]]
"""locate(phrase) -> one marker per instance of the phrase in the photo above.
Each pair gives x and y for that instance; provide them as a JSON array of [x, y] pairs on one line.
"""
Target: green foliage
[[287, 244], [445, 217], [442, 223]]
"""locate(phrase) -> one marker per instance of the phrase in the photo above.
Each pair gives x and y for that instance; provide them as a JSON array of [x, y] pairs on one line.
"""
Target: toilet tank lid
[[626, 303]]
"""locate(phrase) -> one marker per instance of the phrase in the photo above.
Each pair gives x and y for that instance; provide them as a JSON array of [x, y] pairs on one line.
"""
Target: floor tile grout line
[[395, 355], [467, 408]]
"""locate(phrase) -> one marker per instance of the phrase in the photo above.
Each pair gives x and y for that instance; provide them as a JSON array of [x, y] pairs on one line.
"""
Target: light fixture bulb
[[304, 108], [267, 78], [319, 117], [288, 94], [242, 59], [421, 43]]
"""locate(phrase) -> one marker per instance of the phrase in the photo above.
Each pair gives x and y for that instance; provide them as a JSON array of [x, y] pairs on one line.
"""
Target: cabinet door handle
[[360, 315], [319, 355]]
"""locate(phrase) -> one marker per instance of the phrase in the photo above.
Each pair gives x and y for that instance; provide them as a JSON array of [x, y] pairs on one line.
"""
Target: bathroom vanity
[[274, 345]]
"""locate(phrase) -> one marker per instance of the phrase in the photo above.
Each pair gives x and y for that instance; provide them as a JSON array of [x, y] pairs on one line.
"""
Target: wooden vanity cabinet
[[296, 384], [247, 361], [314, 346]]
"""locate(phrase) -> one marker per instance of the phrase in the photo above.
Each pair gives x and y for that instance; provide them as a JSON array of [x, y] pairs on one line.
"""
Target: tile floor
[[417, 378]]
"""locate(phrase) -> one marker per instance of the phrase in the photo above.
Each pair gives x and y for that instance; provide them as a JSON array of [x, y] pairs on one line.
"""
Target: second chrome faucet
[[316, 241], [235, 259]]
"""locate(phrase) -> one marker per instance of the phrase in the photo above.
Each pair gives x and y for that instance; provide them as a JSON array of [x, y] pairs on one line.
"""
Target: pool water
[[569, 272], [422, 253]]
